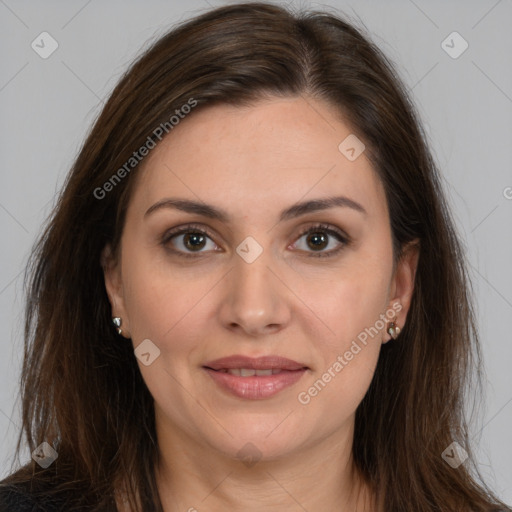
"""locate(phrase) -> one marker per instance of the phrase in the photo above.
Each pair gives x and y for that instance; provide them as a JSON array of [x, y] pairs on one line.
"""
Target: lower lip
[[256, 387]]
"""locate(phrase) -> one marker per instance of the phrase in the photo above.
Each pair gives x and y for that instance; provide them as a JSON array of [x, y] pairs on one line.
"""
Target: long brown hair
[[82, 391]]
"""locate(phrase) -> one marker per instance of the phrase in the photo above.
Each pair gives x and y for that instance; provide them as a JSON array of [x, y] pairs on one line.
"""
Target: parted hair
[[81, 388]]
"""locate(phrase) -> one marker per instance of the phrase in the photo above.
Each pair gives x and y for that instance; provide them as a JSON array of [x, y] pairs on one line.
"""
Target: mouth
[[254, 378], [250, 372]]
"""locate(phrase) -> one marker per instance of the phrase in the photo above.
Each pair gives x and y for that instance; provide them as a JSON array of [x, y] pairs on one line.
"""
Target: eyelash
[[317, 228]]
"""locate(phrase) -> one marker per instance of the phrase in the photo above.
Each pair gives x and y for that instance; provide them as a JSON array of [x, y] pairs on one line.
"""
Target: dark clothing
[[23, 497], [19, 499]]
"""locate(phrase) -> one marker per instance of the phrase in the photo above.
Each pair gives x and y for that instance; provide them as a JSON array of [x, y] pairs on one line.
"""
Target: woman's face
[[263, 282]]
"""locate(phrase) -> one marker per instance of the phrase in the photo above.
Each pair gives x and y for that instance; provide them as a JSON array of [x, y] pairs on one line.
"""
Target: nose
[[255, 300]]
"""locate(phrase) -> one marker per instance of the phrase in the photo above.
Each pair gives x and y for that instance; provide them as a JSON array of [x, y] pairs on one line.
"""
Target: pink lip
[[256, 363], [256, 387]]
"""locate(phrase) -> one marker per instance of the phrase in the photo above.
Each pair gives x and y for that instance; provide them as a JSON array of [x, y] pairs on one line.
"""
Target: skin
[[254, 162]]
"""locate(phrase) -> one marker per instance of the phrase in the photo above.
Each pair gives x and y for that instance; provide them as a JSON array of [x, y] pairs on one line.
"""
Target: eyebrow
[[298, 209]]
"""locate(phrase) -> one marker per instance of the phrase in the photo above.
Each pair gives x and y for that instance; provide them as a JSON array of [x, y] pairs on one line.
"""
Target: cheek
[[353, 302], [159, 299], [168, 308], [352, 307]]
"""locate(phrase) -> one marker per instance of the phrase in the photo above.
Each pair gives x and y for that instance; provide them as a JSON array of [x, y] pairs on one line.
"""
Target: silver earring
[[393, 330], [116, 320]]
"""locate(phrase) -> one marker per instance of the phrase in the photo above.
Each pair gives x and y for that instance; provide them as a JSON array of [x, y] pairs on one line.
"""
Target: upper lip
[[255, 363]]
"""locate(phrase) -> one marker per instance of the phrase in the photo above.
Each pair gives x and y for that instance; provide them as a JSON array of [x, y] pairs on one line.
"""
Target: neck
[[321, 477]]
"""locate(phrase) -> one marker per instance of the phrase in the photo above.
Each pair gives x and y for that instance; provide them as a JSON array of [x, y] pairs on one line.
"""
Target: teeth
[[264, 372], [250, 372]]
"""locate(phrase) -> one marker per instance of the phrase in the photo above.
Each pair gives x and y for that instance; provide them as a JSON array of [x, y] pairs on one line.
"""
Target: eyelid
[[329, 229], [179, 230], [184, 229]]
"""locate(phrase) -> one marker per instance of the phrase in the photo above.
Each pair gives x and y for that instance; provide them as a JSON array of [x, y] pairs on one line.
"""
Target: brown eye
[[188, 240], [318, 238], [194, 241]]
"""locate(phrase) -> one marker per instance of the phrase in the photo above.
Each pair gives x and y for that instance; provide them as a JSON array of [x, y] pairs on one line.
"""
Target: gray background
[[47, 106]]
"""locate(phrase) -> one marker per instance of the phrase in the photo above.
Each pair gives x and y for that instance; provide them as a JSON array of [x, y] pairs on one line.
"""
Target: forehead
[[250, 158]]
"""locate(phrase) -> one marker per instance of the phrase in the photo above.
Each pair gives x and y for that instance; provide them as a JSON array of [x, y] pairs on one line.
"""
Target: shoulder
[[26, 493], [17, 497]]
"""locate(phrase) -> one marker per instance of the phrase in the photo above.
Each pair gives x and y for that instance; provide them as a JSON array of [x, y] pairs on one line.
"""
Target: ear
[[402, 283], [114, 288]]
